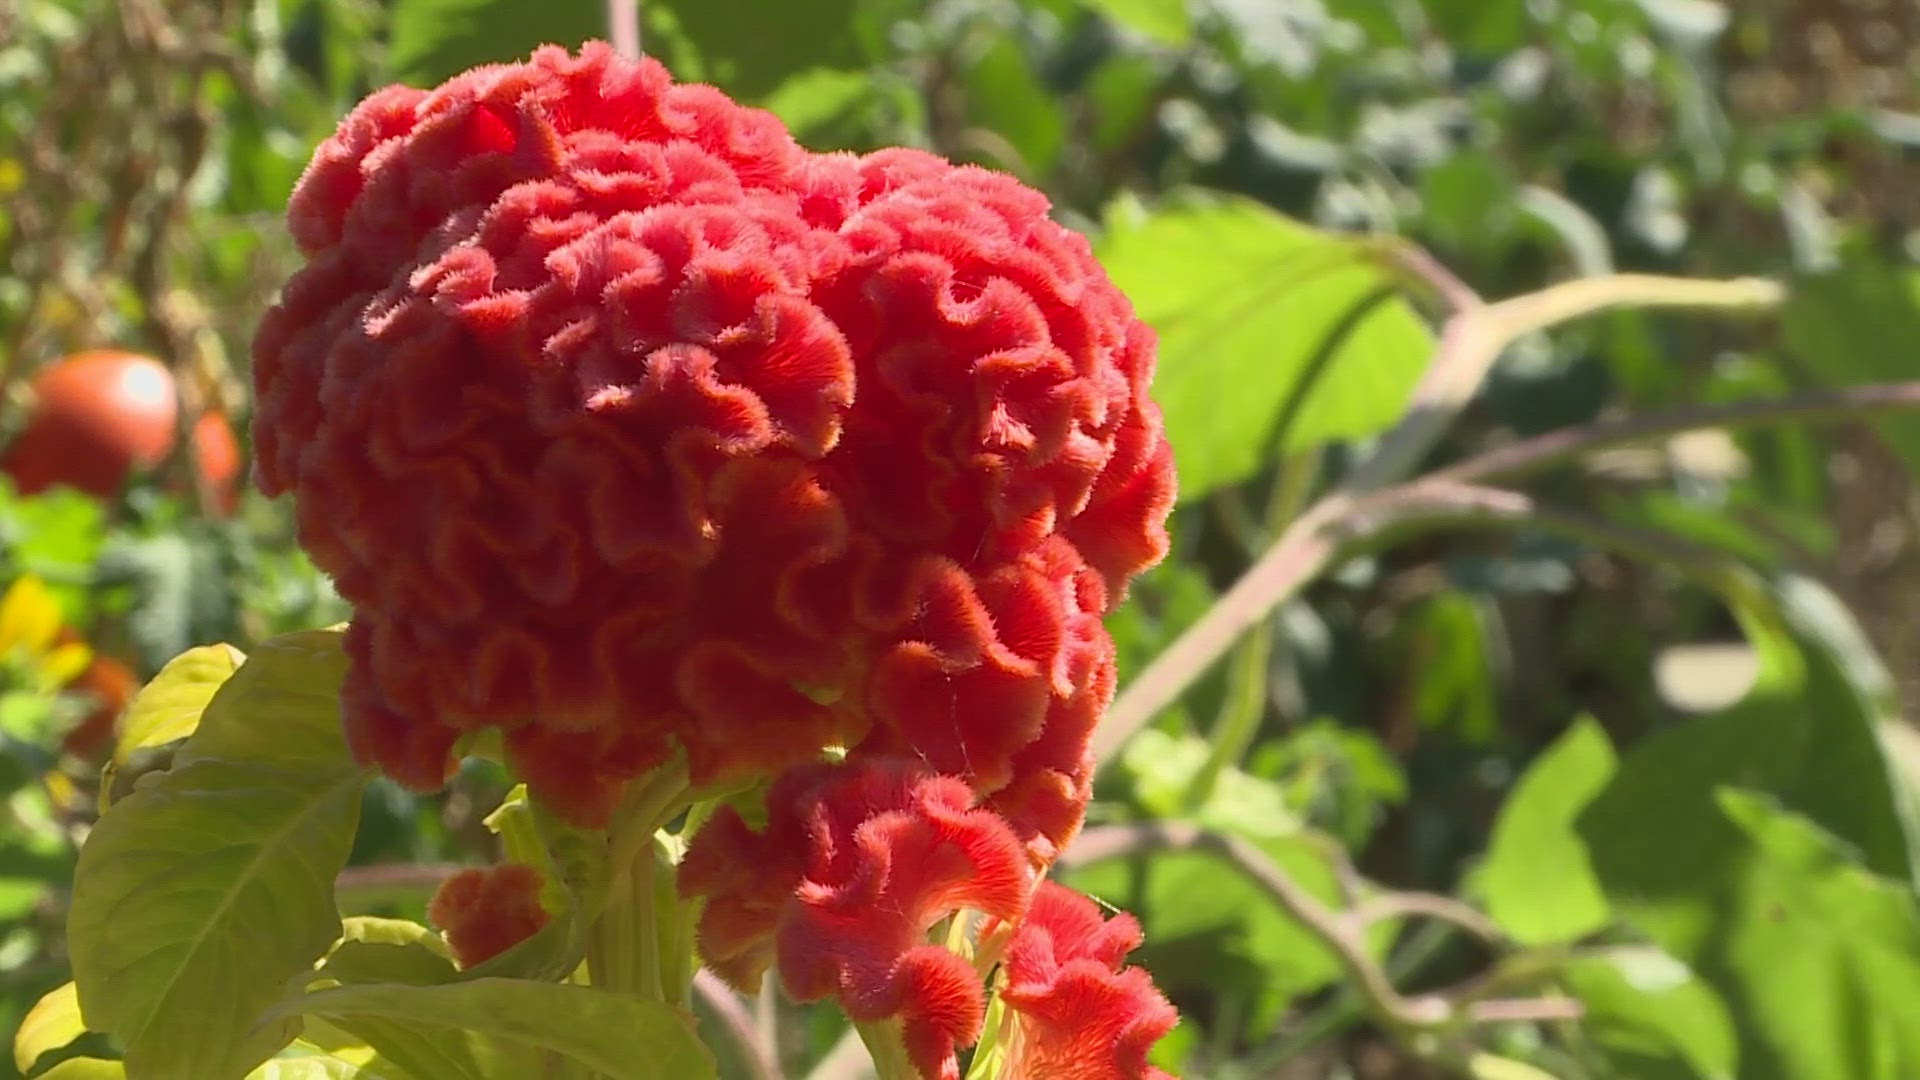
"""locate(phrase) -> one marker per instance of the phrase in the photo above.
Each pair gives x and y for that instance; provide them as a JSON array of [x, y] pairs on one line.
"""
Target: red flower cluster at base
[[628, 426], [1081, 1016], [484, 911], [859, 862]]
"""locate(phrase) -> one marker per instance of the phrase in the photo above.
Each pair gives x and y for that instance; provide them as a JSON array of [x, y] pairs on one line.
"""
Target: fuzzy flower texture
[[630, 428]]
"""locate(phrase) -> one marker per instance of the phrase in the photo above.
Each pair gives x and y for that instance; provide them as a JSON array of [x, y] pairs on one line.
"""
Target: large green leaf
[[1673, 861], [487, 1028], [199, 896], [1651, 1016], [1821, 956], [1274, 337], [1538, 882]]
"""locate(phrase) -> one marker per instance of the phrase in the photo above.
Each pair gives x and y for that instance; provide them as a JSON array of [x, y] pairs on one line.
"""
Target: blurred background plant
[[1612, 779]]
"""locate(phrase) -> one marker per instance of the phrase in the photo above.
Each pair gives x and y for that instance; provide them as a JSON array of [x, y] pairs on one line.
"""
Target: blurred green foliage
[[1714, 859]]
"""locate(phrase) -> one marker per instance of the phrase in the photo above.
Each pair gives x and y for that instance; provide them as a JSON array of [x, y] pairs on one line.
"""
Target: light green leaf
[[1274, 337], [199, 896], [486, 1028], [1538, 881], [816, 97], [389, 951], [169, 707], [1647, 1008], [1165, 21], [1162, 770], [318, 1067], [1821, 954], [49, 1025]]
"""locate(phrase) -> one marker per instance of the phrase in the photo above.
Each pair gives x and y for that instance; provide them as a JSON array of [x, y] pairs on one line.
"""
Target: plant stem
[[727, 1007], [623, 943], [623, 27], [887, 1048]]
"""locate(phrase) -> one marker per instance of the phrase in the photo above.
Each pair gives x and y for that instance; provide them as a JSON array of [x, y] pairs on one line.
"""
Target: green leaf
[[169, 707], [375, 950], [1646, 1008], [1164, 21], [1780, 932], [749, 56], [1162, 770], [488, 1028], [1006, 98], [317, 1067], [1822, 956], [85, 1069], [50, 1025], [816, 97], [1840, 324], [1538, 882], [432, 40], [1213, 934], [199, 896], [1274, 337]]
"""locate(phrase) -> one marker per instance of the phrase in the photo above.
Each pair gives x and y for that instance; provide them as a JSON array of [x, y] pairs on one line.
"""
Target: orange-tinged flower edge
[[1080, 1014], [484, 911], [859, 860], [626, 424]]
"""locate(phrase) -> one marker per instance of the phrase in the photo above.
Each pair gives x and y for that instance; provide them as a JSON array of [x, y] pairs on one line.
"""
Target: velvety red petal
[[626, 425], [484, 911]]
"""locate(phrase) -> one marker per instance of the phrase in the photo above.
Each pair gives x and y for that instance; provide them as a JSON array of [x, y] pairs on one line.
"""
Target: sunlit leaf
[[199, 896], [1648, 1010], [49, 1025], [487, 1028], [1539, 885], [1274, 337], [169, 707], [376, 950]]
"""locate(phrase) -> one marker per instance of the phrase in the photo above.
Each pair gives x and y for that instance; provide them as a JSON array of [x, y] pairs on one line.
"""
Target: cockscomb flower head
[[629, 427], [484, 911], [1080, 1015], [858, 862]]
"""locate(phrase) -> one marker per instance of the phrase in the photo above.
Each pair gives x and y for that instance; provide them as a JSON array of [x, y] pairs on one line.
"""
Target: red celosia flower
[[484, 911], [625, 424], [1080, 1015], [858, 862]]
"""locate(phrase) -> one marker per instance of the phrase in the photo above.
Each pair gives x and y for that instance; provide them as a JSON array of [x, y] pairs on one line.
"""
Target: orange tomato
[[99, 415]]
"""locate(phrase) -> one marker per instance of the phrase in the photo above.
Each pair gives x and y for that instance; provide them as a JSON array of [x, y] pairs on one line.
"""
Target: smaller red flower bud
[[486, 910], [1082, 1016], [859, 860]]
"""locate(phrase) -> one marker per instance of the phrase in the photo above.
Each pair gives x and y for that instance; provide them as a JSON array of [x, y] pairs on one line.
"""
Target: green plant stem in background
[[1247, 681]]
